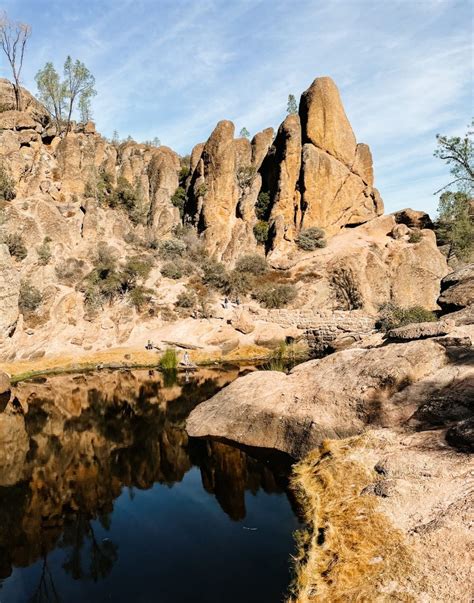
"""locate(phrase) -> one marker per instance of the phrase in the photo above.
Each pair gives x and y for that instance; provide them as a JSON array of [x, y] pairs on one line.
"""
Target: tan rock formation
[[332, 397], [324, 121], [5, 384], [163, 176], [9, 292], [457, 289], [285, 214]]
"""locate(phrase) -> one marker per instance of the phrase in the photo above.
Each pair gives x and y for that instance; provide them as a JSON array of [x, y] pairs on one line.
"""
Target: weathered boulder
[[462, 317], [421, 330], [457, 289], [260, 144], [242, 322], [332, 195], [413, 218], [399, 231], [324, 121], [332, 397], [284, 216], [163, 172], [29, 103], [9, 291]]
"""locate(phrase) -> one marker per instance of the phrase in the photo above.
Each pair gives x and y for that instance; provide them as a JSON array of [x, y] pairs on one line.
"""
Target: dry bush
[[70, 271], [346, 288]]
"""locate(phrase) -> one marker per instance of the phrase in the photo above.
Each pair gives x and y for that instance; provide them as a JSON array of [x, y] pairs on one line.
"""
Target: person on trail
[[226, 303], [186, 360]]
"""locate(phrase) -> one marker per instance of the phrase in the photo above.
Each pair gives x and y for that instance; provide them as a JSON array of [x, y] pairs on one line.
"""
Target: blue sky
[[173, 68]]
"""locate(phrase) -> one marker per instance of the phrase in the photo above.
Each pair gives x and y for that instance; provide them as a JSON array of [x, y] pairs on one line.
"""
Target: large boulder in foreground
[[334, 397]]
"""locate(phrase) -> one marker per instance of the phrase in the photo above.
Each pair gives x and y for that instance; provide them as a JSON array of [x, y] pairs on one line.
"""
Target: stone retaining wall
[[322, 327]]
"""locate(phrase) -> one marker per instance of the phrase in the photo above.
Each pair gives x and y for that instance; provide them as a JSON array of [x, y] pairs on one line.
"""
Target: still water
[[103, 497]]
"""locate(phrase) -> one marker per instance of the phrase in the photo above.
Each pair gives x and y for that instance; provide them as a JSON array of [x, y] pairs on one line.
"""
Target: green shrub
[[172, 270], [186, 299], [275, 296], [129, 198], [100, 186], [201, 190], [44, 252], [240, 283], [262, 206], [311, 239], [171, 249], [179, 199], [194, 248], [169, 360], [455, 224], [7, 185], [252, 264], [185, 170], [30, 298], [136, 268], [415, 235], [392, 317], [261, 231], [16, 245], [215, 275], [139, 296]]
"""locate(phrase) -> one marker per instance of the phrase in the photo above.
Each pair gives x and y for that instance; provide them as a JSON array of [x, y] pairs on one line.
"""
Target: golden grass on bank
[[350, 551]]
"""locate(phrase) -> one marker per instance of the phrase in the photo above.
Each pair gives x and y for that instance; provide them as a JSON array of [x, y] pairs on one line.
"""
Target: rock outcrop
[[334, 397], [314, 173], [77, 194], [457, 289], [9, 292]]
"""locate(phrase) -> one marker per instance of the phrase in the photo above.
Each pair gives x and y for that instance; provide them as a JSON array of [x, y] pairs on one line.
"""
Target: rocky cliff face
[[71, 197], [314, 172]]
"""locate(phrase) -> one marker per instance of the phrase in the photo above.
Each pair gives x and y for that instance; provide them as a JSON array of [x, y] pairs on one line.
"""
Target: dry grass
[[350, 551]]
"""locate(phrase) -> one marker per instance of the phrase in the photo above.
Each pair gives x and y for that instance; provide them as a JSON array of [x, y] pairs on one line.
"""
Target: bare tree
[[13, 39]]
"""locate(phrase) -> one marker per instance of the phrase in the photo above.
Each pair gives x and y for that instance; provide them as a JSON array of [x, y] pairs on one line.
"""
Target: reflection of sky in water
[[218, 527]]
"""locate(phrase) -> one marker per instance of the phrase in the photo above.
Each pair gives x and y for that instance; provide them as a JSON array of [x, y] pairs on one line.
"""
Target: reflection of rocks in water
[[67, 459], [227, 472], [13, 448]]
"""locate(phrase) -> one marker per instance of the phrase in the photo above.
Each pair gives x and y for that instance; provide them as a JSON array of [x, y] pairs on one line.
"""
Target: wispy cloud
[[173, 68]]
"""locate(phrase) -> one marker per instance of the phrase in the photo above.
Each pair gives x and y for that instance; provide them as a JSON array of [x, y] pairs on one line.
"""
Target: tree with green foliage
[[263, 205], [244, 133], [79, 85], [60, 96], [455, 225], [178, 199], [13, 39], [292, 106], [458, 153], [261, 231]]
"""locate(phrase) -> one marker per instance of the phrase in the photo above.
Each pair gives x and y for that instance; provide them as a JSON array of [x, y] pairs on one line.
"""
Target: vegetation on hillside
[[455, 225], [7, 184], [392, 316]]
